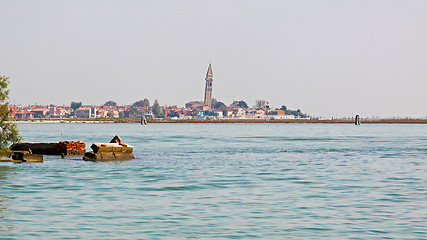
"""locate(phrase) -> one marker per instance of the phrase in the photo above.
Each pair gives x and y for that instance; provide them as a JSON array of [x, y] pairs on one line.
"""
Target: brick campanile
[[208, 87]]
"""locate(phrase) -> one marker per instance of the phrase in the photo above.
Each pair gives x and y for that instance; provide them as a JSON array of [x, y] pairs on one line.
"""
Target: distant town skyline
[[328, 58]]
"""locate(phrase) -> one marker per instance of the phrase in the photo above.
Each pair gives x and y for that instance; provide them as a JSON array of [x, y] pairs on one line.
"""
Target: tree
[[261, 104], [173, 114], [142, 103], [210, 113], [157, 110], [214, 102], [297, 113], [110, 103], [9, 131], [284, 108], [241, 104], [133, 110], [195, 112], [220, 106], [75, 105], [224, 113]]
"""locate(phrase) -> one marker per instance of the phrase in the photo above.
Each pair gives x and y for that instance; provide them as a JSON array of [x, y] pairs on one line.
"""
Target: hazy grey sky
[[328, 58]]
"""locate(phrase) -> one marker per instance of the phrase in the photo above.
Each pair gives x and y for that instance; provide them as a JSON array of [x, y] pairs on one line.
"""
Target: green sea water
[[223, 181]]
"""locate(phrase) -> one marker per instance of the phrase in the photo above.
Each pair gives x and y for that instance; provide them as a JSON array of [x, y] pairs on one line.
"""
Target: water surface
[[223, 181]]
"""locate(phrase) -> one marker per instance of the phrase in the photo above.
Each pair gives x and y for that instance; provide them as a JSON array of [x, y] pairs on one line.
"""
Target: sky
[[327, 58]]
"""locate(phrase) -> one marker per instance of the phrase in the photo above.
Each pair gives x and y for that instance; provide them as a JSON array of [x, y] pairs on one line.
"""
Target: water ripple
[[223, 181]]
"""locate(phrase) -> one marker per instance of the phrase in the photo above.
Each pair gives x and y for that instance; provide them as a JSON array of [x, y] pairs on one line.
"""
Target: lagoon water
[[223, 181]]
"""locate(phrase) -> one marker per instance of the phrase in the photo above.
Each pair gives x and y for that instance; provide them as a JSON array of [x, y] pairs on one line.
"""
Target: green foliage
[[173, 114], [195, 112], [261, 104], [110, 103], [133, 111], [219, 106], [241, 104], [213, 102], [75, 105], [284, 108], [142, 103], [297, 112], [157, 110], [225, 113], [9, 131], [211, 113], [161, 115]]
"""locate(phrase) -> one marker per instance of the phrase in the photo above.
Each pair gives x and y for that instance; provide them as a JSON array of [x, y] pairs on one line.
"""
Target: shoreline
[[305, 121]]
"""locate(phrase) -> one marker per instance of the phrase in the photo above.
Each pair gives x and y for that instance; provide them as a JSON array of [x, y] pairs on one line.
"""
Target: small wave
[[171, 188], [409, 179], [304, 182], [377, 231], [228, 183], [311, 139], [316, 228], [289, 139]]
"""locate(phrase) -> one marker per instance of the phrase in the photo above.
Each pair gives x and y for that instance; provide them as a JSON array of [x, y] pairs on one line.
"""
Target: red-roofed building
[[24, 114]]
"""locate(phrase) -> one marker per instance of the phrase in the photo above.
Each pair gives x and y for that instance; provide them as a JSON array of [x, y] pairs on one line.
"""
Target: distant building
[[239, 113], [58, 112], [39, 111], [204, 108], [255, 113], [107, 112], [208, 87], [219, 113], [280, 114], [86, 112], [24, 114], [207, 103], [228, 113]]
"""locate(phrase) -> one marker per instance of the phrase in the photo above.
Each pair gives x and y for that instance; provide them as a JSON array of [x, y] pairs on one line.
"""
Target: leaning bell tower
[[208, 87]]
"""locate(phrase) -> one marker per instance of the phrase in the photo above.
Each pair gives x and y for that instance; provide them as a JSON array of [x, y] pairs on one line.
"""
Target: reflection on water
[[5, 172]]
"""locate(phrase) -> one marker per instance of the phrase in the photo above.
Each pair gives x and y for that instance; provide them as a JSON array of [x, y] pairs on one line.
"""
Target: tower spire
[[209, 74], [208, 87]]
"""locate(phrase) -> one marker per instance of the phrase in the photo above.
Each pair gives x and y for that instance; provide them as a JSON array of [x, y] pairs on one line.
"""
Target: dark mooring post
[[143, 120], [357, 120]]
